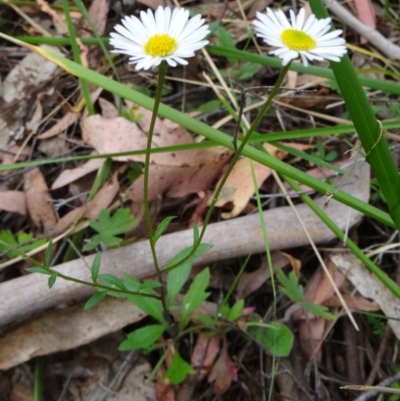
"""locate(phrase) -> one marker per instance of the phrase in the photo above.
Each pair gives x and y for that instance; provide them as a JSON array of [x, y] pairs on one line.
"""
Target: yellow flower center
[[160, 45], [297, 40]]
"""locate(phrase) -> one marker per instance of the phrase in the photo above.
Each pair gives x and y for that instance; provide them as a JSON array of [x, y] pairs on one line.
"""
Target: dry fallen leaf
[[177, 173], [70, 175], [239, 186], [61, 125], [251, 282], [13, 201], [91, 210], [38, 201]]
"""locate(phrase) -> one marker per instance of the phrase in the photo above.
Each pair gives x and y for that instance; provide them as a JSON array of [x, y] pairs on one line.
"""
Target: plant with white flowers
[[300, 37], [164, 36]]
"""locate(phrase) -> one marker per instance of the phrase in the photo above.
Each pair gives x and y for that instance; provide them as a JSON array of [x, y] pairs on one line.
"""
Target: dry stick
[[384, 45], [22, 297]]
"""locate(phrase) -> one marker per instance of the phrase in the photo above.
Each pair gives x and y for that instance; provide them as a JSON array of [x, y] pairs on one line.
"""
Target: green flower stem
[[375, 270], [369, 130], [77, 56], [235, 158], [162, 70]]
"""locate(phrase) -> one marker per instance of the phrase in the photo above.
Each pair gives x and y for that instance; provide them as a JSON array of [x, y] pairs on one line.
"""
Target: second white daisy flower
[[165, 35], [307, 39]]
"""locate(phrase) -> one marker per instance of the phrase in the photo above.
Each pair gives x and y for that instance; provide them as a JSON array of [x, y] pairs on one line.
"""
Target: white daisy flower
[[164, 35], [307, 39]]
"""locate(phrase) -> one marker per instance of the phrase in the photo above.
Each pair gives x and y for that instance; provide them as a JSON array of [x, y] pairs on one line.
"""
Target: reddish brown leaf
[[38, 201], [223, 372]]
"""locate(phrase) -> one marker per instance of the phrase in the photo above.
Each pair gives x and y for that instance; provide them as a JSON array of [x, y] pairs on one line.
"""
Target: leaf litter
[[172, 175]]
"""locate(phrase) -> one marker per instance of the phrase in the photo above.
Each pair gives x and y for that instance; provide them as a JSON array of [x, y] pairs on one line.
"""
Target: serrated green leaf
[[225, 38], [291, 286], [318, 310], [96, 267], [178, 370], [236, 311], [149, 305], [95, 299], [109, 227], [276, 338], [142, 338], [18, 246], [162, 227], [196, 294], [51, 281]]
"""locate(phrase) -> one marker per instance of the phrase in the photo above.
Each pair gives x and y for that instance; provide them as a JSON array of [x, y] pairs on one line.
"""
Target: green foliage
[[178, 369], [95, 299], [236, 311], [196, 294], [161, 228], [321, 153], [276, 338], [17, 246], [293, 290], [209, 107], [142, 338], [96, 267], [134, 172], [109, 227], [225, 38]]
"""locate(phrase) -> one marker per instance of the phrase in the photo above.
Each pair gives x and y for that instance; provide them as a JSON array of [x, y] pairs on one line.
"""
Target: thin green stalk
[[271, 270], [235, 158], [375, 270], [369, 130], [38, 378], [162, 70], [77, 56]]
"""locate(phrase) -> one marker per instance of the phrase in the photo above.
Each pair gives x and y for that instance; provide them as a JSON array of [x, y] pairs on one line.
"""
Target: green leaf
[[109, 227], [52, 280], [225, 38], [247, 71], [47, 258], [18, 246], [149, 305], [161, 228], [210, 106], [96, 266], [276, 338], [201, 249], [196, 294], [178, 370], [112, 281], [40, 270], [236, 311], [175, 281], [131, 283], [290, 286], [142, 338], [318, 310], [206, 320], [95, 299]]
